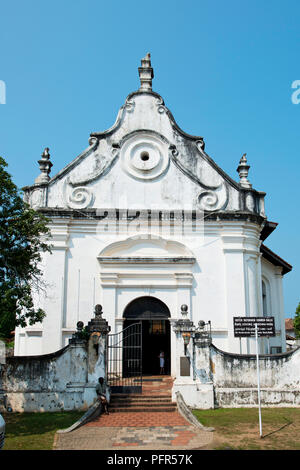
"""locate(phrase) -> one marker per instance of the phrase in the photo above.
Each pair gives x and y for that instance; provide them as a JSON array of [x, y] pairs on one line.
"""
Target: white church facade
[[143, 222]]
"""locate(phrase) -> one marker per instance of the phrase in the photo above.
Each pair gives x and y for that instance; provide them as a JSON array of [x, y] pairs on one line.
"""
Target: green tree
[[297, 321], [21, 232]]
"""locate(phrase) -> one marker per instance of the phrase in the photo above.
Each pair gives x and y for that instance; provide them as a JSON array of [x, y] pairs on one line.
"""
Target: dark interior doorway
[[154, 316]]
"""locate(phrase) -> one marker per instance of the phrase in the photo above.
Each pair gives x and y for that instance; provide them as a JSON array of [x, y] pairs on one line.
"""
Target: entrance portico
[[147, 278]]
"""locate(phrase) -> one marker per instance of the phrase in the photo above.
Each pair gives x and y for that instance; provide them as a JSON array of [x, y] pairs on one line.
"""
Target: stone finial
[[98, 324], [77, 337], [183, 324], [243, 170], [184, 310], [98, 311], [146, 73], [45, 167]]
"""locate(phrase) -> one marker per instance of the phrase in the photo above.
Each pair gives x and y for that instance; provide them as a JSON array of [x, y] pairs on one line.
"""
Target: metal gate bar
[[124, 360]]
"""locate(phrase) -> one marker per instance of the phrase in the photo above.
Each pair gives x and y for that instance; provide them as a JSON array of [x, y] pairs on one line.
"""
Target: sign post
[[245, 327], [258, 381]]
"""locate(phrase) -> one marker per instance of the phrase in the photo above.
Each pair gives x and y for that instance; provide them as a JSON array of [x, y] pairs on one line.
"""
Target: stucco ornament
[[160, 105], [45, 167], [146, 73], [36, 198], [101, 165], [144, 156], [79, 197], [129, 105], [243, 170]]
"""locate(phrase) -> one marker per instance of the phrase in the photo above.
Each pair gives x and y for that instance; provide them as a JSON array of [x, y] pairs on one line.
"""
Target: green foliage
[[297, 321], [21, 229]]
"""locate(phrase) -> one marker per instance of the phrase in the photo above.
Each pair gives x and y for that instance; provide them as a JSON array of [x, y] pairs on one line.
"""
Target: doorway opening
[[153, 315]]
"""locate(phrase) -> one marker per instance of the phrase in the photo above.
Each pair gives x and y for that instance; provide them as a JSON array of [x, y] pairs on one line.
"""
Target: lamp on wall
[[185, 326], [186, 339]]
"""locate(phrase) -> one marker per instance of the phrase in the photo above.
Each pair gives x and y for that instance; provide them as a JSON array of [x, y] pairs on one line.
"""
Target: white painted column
[[184, 283], [251, 288], [55, 290], [174, 352], [253, 294], [241, 246], [109, 283], [280, 320], [234, 283]]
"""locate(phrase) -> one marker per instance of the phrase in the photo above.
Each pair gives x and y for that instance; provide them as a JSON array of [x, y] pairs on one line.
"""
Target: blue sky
[[224, 68]]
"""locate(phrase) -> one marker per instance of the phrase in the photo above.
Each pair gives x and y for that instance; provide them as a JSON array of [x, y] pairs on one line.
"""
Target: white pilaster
[[234, 281], [56, 287], [280, 314]]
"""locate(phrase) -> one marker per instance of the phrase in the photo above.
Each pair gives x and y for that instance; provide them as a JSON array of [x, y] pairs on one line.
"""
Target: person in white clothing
[[162, 362]]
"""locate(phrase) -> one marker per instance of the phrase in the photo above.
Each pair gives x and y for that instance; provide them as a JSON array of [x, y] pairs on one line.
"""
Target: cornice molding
[[146, 260], [114, 214]]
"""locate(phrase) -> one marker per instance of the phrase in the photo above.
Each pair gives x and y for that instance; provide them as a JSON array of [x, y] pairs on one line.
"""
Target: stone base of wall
[[195, 394], [248, 397], [73, 398], [43, 401]]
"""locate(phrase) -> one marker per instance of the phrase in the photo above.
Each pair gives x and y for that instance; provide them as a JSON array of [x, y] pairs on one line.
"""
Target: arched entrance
[[154, 316]]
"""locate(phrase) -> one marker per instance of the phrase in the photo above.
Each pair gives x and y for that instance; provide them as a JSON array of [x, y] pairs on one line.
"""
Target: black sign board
[[245, 326]]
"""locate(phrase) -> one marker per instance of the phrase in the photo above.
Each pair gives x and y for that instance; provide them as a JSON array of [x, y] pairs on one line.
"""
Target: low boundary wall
[[234, 379], [51, 382]]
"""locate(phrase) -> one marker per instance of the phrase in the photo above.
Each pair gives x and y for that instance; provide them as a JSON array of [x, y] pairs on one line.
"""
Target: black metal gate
[[124, 360]]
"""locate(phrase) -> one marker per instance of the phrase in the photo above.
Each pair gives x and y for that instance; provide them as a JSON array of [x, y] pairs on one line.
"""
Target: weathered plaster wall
[[235, 379], [64, 380]]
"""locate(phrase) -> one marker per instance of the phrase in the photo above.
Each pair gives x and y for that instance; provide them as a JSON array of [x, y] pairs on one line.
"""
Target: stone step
[[124, 404], [143, 398], [143, 410], [141, 404], [155, 397], [144, 404], [133, 396], [157, 381]]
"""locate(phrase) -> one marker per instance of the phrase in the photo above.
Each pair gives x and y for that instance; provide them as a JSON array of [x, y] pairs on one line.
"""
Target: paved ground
[[139, 438], [137, 430]]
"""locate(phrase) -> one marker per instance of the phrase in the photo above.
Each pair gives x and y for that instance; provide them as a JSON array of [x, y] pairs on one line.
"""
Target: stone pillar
[[78, 363], [204, 396], [98, 329], [193, 378]]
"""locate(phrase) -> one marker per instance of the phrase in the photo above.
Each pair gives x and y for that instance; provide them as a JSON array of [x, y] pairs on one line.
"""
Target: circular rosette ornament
[[144, 156]]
